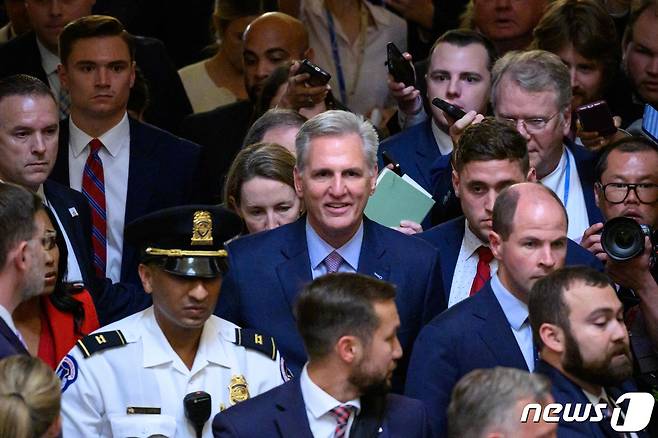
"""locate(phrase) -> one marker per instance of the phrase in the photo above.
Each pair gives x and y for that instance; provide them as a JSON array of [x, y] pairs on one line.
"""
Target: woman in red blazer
[[52, 322]]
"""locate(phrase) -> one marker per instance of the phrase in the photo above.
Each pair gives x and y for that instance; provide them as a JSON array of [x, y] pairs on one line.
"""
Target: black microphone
[[197, 409]]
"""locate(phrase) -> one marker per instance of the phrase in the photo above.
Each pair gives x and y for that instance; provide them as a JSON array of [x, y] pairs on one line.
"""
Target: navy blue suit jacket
[[9, 342], [566, 391], [471, 334], [162, 173], [447, 202], [268, 270], [168, 100], [73, 212], [447, 238], [415, 149], [280, 412]]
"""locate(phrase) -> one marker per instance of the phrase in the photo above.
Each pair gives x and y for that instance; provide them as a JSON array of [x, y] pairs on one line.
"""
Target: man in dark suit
[[22, 260], [348, 323], [36, 53], [578, 326], [123, 167], [532, 91], [490, 328], [270, 41], [28, 148], [491, 156], [459, 73], [335, 175]]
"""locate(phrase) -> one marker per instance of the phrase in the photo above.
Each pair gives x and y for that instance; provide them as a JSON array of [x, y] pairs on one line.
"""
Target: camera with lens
[[622, 239]]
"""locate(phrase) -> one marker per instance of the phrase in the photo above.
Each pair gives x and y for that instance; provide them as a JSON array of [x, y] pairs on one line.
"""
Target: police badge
[[238, 390]]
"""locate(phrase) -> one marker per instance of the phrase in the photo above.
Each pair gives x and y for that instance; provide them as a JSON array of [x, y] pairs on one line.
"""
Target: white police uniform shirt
[[98, 391]]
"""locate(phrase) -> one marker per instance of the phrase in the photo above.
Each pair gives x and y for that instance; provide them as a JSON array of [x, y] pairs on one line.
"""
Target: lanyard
[[567, 178], [342, 87]]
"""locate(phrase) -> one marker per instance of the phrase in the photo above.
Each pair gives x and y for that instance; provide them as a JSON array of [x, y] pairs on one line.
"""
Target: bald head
[[269, 41], [529, 237], [526, 195]]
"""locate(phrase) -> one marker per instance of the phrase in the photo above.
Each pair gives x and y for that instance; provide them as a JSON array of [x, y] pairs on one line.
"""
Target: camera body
[[622, 239]]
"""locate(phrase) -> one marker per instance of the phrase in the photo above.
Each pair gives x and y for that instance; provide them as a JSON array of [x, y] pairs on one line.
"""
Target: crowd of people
[[184, 250]]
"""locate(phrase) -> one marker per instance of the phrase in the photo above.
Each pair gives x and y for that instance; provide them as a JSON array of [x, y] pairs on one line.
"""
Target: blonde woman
[[30, 399]]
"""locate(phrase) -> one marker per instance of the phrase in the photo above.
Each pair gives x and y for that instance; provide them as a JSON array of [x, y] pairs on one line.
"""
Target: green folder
[[397, 198]]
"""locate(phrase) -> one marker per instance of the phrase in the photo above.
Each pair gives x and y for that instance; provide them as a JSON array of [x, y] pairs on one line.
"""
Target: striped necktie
[[93, 188], [342, 414]]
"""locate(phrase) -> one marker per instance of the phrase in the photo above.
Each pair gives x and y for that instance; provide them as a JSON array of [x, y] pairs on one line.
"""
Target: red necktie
[[483, 274], [93, 187]]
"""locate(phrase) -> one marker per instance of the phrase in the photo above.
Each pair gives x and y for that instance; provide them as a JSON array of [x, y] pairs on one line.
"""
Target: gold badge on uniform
[[238, 390], [202, 228]]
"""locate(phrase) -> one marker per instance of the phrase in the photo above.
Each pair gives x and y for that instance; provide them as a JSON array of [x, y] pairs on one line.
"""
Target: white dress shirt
[[442, 139], [576, 207], [115, 155], [318, 406], [466, 267]]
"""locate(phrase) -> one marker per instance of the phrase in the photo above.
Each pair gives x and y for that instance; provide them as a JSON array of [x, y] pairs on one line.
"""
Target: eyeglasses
[[616, 193], [533, 125], [49, 240]]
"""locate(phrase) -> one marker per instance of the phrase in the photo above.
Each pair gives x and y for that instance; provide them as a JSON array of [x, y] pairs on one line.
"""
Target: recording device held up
[[622, 238]]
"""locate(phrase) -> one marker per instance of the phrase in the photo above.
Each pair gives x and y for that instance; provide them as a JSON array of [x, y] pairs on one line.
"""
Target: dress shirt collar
[[158, 351], [113, 140], [595, 399], [442, 139], [6, 317], [471, 242], [49, 60], [516, 311], [316, 400], [555, 179], [318, 249]]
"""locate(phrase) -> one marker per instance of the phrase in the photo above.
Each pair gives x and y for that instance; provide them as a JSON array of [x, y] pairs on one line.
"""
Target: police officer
[[130, 378]]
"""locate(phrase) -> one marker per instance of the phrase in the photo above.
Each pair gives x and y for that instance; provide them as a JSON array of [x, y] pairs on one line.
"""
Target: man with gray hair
[[335, 175], [489, 403], [278, 126], [532, 91]]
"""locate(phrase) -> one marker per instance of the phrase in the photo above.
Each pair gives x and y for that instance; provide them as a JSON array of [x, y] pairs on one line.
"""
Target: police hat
[[188, 240]]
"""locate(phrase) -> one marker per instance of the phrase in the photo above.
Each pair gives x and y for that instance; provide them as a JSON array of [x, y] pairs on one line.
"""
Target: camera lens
[[622, 238]]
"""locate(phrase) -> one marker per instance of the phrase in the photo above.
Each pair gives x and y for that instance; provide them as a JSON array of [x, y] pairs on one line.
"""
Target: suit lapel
[[585, 162], [11, 337], [291, 419], [295, 271], [142, 176], [372, 260], [495, 331], [453, 237], [426, 152]]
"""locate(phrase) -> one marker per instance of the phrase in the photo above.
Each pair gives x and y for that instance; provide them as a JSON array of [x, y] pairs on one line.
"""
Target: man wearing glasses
[[532, 91], [627, 185]]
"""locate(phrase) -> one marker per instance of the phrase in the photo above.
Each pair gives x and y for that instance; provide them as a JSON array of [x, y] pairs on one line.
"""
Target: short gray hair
[[336, 123], [534, 71], [485, 400]]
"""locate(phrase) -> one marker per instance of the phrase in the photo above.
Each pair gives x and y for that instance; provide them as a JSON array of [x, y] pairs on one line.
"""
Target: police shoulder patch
[[100, 341], [67, 371], [255, 341]]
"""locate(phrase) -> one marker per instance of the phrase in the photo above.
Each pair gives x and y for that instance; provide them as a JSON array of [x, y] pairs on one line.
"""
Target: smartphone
[[650, 122], [596, 116], [389, 160], [318, 76], [453, 111], [398, 67]]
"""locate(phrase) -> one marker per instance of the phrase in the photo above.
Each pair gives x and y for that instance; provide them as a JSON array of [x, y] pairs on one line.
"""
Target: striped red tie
[[342, 415], [93, 188]]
